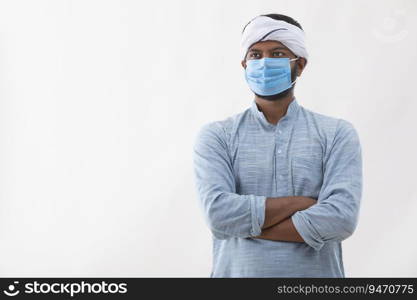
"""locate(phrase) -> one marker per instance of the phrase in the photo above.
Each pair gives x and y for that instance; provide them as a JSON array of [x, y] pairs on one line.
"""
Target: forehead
[[267, 45]]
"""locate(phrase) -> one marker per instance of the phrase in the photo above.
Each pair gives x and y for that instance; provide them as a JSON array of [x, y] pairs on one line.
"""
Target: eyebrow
[[276, 48]]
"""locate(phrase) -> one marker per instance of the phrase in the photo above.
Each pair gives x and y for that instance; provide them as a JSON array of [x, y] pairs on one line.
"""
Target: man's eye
[[278, 54], [254, 54]]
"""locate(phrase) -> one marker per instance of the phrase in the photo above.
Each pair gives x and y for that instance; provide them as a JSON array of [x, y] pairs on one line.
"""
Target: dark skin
[[278, 225]]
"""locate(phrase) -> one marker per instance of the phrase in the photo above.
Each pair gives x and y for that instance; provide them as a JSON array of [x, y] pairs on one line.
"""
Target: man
[[279, 185]]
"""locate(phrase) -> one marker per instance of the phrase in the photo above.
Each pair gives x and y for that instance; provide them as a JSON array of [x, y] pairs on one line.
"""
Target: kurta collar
[[290, 114]]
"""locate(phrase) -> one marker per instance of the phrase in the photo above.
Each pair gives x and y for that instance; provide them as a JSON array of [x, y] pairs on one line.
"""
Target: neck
[[274, 110]]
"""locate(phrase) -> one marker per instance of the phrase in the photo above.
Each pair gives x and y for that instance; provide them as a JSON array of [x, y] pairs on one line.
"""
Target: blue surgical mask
[[269, 76]]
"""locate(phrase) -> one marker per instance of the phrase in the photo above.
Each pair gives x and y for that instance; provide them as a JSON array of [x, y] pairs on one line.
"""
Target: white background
[[100, 102]]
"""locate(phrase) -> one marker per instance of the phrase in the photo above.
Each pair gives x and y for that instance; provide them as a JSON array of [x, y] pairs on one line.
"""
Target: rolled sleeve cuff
[[257, 214], [307, 231]]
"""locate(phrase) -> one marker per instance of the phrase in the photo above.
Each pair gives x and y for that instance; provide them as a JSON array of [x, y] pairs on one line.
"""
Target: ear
[[301, 63], [243, 63]]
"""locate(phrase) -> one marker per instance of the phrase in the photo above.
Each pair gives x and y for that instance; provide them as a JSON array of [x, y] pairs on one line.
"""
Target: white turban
[[263, 28]]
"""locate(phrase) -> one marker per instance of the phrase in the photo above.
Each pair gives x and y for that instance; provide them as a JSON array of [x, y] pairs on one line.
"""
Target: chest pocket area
[[307, 176]]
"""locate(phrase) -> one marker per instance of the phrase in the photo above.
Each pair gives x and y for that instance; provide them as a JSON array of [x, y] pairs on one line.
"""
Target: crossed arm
[[278, 225], [299, 219]]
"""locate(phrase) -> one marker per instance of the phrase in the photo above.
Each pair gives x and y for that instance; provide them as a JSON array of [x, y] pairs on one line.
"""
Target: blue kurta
[[242, 160]]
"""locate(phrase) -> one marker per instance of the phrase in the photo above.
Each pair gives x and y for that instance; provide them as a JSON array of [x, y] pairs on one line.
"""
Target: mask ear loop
[[292, 83]]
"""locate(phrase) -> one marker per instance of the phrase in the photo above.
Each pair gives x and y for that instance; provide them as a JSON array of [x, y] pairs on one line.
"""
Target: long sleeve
[[335, 216], [226, 213]]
